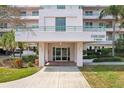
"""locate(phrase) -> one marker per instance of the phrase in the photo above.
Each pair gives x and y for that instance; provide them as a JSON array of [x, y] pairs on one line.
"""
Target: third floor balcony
[[95, 16]]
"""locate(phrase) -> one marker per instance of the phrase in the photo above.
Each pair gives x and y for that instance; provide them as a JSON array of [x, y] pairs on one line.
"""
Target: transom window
[[60, 6], [60, 23]]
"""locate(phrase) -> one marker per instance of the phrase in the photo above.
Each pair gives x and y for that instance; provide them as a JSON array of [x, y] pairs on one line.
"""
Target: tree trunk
[[113, 40], [13, 52]]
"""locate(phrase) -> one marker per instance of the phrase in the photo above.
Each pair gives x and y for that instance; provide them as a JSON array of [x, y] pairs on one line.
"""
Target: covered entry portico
[[61, 52]]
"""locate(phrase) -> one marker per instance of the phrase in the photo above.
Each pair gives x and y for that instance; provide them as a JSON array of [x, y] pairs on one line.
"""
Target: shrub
[[90, 52], [17, 63], [106, 52], [89, 57], [30, 64], [108, 59], [29, 58]]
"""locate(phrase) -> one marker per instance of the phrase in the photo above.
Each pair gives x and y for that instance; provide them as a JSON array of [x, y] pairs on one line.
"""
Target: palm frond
[[113, 10]]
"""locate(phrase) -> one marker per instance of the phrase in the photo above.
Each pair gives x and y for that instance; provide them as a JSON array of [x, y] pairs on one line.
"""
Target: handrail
[[65, 28]]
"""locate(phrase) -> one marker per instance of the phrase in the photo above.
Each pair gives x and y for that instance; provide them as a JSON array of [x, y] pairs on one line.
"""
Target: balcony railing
[[68, 28], [51, 28], [96, 15], [23, 15], [94, 28]]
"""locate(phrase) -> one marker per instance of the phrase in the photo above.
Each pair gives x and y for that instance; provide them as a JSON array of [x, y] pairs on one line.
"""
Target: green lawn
[[9, 74], [104, 76]]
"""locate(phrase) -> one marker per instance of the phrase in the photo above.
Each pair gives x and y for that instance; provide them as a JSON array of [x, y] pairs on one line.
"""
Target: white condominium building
[[63, 32]]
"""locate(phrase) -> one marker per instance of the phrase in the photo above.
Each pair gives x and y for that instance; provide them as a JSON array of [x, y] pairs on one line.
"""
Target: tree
[[115, 11], [8, 41], [11, 16], [119, 45]]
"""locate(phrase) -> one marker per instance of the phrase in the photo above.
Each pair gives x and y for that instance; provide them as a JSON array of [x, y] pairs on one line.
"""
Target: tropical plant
[[17, 63], [116, 12], [29, 58], [119, 46], [10, 15], [8, 41]]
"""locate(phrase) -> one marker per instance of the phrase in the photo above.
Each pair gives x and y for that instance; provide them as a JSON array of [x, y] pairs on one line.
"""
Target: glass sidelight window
[[64, 54], [60, 23], [58, 53]]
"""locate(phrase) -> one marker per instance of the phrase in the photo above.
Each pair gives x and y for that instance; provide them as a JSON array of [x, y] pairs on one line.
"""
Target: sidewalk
[[51, 77]]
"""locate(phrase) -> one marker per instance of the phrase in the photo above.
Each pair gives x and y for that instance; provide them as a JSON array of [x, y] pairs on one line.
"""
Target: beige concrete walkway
[[51, 77]]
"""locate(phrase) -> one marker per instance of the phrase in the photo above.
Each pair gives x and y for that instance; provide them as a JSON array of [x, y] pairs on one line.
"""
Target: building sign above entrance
[[98, 37]]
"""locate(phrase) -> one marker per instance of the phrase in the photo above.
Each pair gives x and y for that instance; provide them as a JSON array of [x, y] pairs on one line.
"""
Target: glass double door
[[61, 54]]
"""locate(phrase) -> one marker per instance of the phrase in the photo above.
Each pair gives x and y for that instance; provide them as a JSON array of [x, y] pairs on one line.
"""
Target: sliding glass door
[[61, 54]]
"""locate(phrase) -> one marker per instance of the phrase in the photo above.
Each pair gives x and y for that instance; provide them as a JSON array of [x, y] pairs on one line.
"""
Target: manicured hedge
[[29, 58], [108, 59], [89, 57]]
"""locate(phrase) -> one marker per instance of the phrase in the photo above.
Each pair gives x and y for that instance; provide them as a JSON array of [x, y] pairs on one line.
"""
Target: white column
[[79, 54], [41, 54], [46, 52], [75, 52]]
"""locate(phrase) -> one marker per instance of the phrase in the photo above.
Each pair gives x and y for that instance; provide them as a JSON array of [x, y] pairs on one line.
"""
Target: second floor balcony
[[52, 28], [102, 28], [70, 28], [57, 34]]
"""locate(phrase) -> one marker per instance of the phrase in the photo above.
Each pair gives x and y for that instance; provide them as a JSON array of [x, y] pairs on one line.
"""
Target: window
[[88, 13], [35, 13], [3, 25], [80, 7], [23, 13], [60, 6], [3, 13], [121, 36], [101, 25], [60, 23], [35, 26], [88, 24]]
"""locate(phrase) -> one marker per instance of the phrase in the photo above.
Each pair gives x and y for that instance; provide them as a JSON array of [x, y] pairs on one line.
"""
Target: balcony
[[95, 16], [94, 28], [52, 34], [8, 29], [102, 28], [52, 28], [30, 16]]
